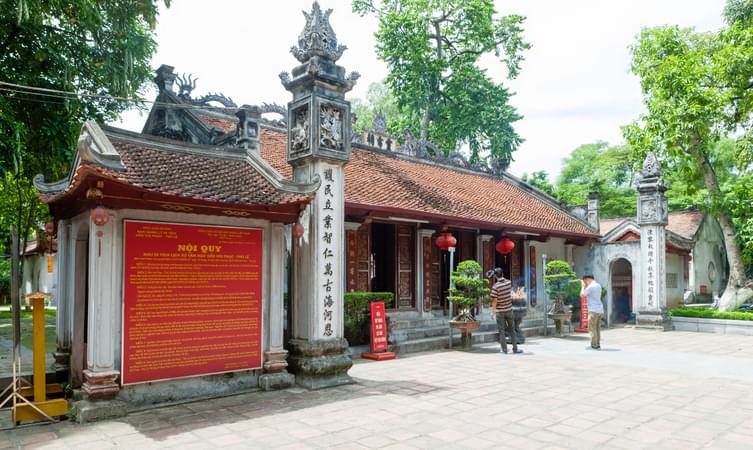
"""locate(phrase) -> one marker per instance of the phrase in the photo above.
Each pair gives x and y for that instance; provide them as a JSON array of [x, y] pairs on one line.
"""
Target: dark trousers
[[506, 324]]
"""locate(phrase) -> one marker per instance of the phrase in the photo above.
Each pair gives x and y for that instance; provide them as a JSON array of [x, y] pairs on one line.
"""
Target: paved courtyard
[[644, 389]]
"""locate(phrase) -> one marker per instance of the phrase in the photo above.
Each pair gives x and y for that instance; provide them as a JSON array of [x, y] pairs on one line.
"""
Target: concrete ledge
[[719, 326], [88, 411]]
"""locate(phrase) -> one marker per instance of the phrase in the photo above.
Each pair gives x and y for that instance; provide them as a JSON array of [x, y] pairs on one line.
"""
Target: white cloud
[[574, 87]]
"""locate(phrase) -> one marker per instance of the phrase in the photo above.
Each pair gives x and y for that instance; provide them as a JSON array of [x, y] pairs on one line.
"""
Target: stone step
[[402, 324]]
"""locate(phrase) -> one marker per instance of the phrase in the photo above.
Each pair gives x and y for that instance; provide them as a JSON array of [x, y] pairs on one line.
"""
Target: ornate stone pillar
[[64, 300], [319, 136], [593, 213], [100, 377], [425, 243], [651, 310]]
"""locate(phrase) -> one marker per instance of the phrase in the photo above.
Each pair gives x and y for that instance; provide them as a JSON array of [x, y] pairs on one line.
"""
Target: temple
[[290, 200]]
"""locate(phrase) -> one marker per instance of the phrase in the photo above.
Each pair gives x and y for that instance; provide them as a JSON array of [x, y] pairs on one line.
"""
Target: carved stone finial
[[380, 122], [651, 168], [317, 38], [165, 78]]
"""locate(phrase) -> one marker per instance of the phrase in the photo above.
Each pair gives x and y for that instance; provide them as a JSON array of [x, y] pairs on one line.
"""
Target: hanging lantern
[[446, 240], [298, 231], [505, 245], [100, 215]]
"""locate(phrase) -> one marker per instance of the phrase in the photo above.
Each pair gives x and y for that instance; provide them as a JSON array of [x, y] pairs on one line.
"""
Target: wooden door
[[405, 261]]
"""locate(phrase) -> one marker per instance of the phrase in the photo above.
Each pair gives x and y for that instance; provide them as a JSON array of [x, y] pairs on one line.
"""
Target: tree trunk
[[738, 289]]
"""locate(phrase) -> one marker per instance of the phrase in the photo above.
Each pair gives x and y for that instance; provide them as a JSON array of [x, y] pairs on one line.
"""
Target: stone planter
[[559, 321], [466, 332], [719, 326]]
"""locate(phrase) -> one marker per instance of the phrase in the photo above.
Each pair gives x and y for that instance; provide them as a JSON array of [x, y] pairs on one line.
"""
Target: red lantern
[[505, 245], [446, 240], [100, 215], [298, 230]]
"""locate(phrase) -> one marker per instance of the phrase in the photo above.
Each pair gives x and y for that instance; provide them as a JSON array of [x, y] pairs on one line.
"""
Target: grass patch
[[706, 313], [50, 324], [6, 313]]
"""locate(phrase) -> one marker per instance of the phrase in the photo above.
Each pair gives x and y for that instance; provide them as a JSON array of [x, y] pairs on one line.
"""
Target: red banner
[[192, 300], [378, 328], [583, 315]]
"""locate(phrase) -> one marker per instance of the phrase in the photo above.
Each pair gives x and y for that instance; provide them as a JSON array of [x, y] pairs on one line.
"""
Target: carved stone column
[[319, 137], [486, 259], [275, 375], [100, 378], [651, 310]]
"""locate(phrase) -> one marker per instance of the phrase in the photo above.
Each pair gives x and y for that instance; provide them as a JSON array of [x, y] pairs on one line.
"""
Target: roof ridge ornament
[[317, 38], [651, 167]]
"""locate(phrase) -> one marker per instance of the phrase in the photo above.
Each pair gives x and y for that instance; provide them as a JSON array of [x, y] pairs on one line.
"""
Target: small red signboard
[[378, 334], [583, 315]]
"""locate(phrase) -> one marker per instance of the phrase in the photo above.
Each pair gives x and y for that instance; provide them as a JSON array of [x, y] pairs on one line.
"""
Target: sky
[[575, 85]]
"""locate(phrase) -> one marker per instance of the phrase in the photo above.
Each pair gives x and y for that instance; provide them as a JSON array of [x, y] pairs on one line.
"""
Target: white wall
[[709, 248], [675, 267], [37, 279]]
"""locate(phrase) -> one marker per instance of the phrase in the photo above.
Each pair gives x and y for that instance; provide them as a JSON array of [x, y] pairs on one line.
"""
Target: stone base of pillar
[[100, 385], [276, 381], [653, 320], [275, 361], [320, 364], [88, 411]]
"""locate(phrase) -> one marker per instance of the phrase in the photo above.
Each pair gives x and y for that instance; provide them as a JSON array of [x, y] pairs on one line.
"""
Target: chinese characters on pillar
[[650, 266], [329, 249]]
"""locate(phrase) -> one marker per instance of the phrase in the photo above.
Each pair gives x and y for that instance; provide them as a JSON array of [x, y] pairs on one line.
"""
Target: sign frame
[[264, 256]]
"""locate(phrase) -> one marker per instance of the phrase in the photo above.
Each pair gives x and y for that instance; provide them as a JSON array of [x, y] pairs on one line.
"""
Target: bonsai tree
[[469, 289], [559, 281]]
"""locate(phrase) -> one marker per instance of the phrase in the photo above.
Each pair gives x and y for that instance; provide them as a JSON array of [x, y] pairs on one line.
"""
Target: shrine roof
[[389, 182], [229, 176], [682, 223]]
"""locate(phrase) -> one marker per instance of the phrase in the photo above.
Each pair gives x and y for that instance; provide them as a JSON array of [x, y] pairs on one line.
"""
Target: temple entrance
[[622, 291], [80, 306], [383, 257]]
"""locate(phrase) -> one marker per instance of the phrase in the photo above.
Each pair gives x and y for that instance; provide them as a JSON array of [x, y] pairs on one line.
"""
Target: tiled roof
[[187, 171], [381, 181], [682, 223]]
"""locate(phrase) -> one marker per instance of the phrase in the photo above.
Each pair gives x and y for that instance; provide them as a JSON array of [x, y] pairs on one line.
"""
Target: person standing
[[592, 291], [502, 306]]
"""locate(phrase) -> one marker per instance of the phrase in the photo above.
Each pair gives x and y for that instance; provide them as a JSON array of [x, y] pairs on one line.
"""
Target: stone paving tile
[[651, 390]]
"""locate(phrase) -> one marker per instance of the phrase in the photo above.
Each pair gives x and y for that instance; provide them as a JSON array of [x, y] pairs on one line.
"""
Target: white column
[[104, 310], [274, 354]]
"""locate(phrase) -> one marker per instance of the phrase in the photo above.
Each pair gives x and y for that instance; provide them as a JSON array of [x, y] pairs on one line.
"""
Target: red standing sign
[[583, 315], [378, 334], [192, 300]]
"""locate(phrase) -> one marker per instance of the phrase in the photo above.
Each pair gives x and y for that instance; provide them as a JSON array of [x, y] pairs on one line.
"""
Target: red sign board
[[192, 300], [378, 328], [583, 315]]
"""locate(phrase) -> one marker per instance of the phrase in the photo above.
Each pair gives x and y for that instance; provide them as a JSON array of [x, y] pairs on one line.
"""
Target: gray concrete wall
[[709, 248]]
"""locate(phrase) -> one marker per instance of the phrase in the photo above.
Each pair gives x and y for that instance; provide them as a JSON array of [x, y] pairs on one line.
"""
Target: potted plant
[[559, 279], [469, 289]]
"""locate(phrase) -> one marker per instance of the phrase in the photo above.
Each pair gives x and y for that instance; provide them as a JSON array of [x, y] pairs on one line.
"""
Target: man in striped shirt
[[502, 306]]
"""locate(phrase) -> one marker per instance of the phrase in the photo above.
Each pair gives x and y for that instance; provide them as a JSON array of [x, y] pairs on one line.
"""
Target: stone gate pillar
[[651, 310], [319, 136]]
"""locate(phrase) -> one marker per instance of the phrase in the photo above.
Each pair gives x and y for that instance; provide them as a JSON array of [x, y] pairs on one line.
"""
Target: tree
[[540, 180], [600, 168], [698, 88], [101, 48], [433, 49], [379, 99], [469, 289]]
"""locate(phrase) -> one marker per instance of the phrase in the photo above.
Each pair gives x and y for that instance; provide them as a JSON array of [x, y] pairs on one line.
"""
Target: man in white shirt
[[592, 291]]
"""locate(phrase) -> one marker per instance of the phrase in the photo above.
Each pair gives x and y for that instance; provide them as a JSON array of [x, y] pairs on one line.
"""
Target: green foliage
[[706, 313], [432, 49], [4, 278], [379, 98], [559, 279], [600, 168], [697, 91], [19, 206], [356, 314], [470, 288], [540, 180]]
